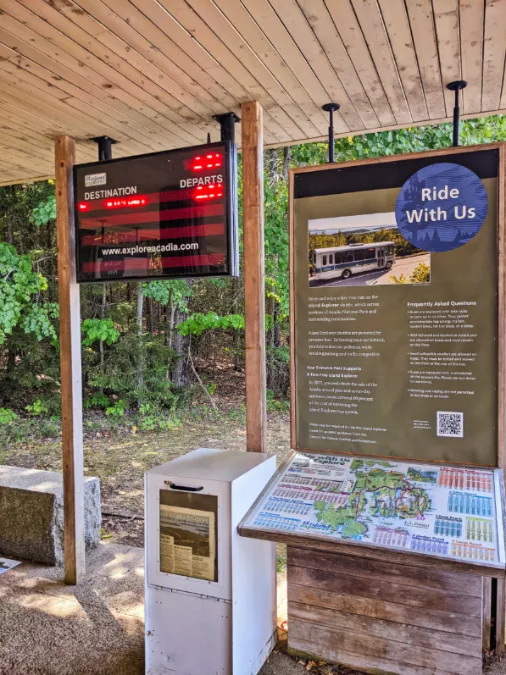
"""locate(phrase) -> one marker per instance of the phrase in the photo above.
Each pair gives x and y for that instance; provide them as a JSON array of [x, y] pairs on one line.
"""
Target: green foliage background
[[153, 346]]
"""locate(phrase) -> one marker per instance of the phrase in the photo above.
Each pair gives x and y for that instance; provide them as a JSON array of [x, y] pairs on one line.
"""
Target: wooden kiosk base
[[369, 591], [385, 617]]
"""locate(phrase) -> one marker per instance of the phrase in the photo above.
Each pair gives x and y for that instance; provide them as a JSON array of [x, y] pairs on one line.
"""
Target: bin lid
[[213, 464]]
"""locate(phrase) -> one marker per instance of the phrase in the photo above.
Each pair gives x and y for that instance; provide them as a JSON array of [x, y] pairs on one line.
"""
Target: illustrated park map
[[443, 511]]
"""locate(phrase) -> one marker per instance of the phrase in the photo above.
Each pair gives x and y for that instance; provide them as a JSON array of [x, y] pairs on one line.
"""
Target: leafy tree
[[20, 297], [99, 330], [182, 324], [197, 323]]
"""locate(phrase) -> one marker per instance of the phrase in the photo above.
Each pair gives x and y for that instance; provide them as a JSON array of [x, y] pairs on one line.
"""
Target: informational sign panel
[[395, 306], [188, 534], [164, 215], [448, 511]]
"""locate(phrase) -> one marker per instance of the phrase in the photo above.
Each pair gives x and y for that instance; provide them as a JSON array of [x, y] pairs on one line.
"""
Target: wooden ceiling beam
[[28, 27], [494, 52], [373, 28], [399, 34], [183, 14], [304, 37], [347, 26], [446, 20], [251, 33], [318, 17], [472, 16], [92, 35]]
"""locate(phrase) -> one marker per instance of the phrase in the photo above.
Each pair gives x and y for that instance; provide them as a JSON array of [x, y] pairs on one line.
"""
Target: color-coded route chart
[[291, 506], [450, 527], [463, 502], [294, 493], [463, 549], [479, 529], [310, 495], [318, 483], [429, 544], [386, 536], [273, 521], [465, 479], [448, 512]]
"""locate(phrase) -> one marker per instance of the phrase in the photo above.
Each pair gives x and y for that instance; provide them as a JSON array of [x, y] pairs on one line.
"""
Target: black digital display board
[[165, 215]]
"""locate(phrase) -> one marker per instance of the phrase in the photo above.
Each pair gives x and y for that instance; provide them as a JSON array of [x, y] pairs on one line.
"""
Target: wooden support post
[[70, 364], [499, 588], [254, 282]]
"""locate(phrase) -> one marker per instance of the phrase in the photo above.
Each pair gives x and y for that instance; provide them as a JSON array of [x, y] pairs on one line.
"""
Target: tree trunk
[[272, 329], [169, 314], [237, 351], [150, 316], [276, 327], [286, 162], [102, 316], [140, 307], [180, 344], [171, 317], [271, 164], [10, 372], [49, 235]]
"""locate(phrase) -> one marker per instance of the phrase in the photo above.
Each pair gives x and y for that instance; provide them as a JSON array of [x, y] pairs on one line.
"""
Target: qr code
[[450, 424]]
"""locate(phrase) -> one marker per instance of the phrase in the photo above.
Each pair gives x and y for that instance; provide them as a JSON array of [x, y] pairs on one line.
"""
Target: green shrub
[[121, 376], [7, 416], [37, 408], [117, 409]]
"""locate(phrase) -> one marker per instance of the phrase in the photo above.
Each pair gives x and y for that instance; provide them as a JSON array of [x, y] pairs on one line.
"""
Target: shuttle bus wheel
[[389, 264], [346, 274]]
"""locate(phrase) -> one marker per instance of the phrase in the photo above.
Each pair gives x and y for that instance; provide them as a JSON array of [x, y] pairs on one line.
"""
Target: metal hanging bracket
[[331, 108], [456, 86], [227, 122], [105, 144]]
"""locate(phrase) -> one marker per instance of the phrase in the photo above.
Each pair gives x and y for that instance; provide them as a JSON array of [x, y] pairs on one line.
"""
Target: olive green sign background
[[469, 273]]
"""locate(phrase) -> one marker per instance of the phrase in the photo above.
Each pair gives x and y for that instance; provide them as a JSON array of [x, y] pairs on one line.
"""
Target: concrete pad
[[96, 627], [31, 514]]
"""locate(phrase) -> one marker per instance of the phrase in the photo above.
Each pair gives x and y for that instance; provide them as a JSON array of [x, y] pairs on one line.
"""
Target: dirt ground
[[120, 460], [282, 664]]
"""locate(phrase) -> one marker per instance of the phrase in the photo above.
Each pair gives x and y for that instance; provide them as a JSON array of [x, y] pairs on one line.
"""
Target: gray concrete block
[[31, 514]]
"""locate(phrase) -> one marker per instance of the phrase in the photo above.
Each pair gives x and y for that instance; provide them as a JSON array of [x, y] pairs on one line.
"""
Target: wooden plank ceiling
[[152, 73]]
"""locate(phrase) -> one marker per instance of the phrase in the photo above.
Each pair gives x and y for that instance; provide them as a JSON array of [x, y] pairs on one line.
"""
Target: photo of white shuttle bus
[[341, 262]]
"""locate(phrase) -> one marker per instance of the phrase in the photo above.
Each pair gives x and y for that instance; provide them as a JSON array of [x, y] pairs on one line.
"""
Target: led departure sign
[[164, 215]]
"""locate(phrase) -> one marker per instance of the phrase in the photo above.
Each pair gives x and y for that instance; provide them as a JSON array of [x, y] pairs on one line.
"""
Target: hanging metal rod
[[227, 122], [456, 86], [105, 144], [331, 108]]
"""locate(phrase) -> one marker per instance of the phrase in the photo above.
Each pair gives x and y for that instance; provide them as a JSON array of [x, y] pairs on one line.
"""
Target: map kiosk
[[392, 501]]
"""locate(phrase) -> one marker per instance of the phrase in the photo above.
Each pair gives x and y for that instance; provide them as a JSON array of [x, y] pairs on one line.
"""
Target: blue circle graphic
[[441, 207]]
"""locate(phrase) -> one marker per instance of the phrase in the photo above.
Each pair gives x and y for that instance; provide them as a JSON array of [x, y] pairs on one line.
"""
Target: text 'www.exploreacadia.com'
[[159, 248]]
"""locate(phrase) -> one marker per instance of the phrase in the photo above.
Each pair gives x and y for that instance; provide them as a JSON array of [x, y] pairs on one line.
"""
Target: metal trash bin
[[210, 594]]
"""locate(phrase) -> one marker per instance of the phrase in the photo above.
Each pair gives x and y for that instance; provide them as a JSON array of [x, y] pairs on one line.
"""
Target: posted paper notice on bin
[[187, 542]]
